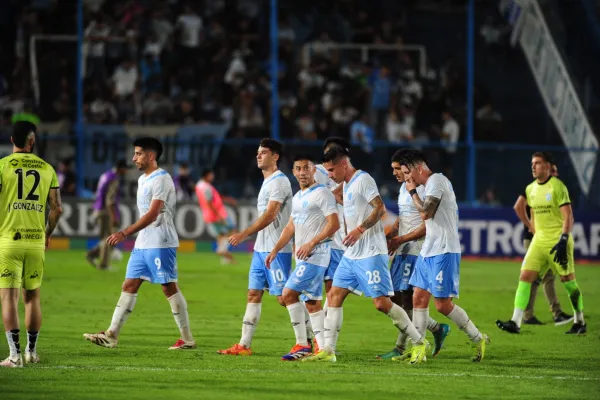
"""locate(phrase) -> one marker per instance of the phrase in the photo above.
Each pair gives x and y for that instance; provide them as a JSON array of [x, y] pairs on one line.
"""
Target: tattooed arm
[[372, 219], [426, 208], [55, 205]]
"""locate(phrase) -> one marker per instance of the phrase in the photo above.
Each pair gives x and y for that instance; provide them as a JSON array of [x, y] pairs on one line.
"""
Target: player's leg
[[567, 277], [106, 230], [560, 317], [535, 261], [257, 283], [11, 272], [32, 281], [445, 270], [529, 317], [344, 283], [94, 252], [137, 272], [375, 281], [334, 261]]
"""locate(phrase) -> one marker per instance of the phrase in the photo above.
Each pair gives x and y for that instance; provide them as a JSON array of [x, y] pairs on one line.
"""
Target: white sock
[[420, 319], [250, 322], [325, 307], [222, 245], [12, 337], [403, 323], [318, 324], [180, 313], [122, 310], [579, 318], [460, 318], [332, 327], [309, 328], [518, 316], [432, 325], [297, 317], [402, 336]]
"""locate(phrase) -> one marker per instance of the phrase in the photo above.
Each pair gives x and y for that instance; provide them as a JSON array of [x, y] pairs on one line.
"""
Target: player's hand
[[352, 237], [236, 238], [47, 242], [305, 251], [410, 184], [270, 259], [393, 244], [115, 239], [560, 249]]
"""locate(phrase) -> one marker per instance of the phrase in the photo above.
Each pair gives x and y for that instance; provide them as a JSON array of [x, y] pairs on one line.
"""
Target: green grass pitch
[[541, 363]]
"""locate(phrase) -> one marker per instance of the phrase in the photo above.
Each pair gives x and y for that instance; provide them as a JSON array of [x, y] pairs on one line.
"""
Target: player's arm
[[568, 219], [563, 201], [520, 208], [261, 223], [55, 206], [426, 208], [286, 235], [372, 219], [330, 228], [391, 231], [145, 220], [396, 241]]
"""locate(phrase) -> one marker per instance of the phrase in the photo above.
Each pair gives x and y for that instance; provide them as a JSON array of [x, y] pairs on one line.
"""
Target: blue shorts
[[273, 279], [218, 228], [153, 265], [440, 275], [334, 261], [308, 280], [370, 276], [401, 271]]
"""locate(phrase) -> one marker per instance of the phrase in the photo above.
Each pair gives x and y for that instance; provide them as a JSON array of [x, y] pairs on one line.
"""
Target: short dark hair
[[302, 157], [273, 145], [206, 171], [339, 141], [21, 131], [410, 157], [149, 143], [335, 154], [548, 157]]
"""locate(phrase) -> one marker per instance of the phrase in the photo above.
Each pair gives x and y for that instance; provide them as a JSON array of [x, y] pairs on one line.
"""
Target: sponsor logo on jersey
[[17, 236], [14, 162], [6, 274], [34, 275], [548, 197]]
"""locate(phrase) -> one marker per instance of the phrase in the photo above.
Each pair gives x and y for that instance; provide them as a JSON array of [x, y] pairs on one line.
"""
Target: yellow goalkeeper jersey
[[545, 200], [25, 182]]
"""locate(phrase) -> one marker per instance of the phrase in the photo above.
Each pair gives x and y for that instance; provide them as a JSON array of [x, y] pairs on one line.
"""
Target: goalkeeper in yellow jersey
[[552, 245], [28, 186]]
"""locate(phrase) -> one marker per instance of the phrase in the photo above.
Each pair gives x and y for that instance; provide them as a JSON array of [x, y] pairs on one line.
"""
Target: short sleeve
[[561, 194], [54, 182], [421, 191], [321, 176], [326, 202], [369, 188], [278, 192], [160, 187], [435, 186]]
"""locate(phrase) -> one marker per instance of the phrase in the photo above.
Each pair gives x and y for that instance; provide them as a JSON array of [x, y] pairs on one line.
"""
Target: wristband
[[412, 192], [564, 236], [124, 235], [361, 230]]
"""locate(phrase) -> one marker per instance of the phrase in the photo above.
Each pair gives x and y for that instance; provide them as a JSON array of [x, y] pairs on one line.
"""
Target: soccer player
[[153, 258], [404, 243], [106, 213], [215, 214], [364, 266], [560, 317], [27, 185], [337, 247], [437, 270], [552, 245], [314, 220], [274, 209]]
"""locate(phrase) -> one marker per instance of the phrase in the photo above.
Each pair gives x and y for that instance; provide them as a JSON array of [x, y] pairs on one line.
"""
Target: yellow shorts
[[539, 259], [21, 268]]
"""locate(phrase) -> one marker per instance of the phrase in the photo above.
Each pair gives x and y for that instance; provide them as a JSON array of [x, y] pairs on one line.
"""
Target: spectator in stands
[[102, 111], [97, 33], [67, 180], [399, 131], [151, 73], [488, 123], [126, 83], [190, 32], [381, 94], [449, 138], [489, 198], [157, 108]]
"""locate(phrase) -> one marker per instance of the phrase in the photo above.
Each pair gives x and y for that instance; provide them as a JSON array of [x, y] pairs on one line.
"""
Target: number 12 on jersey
[[36, 181]]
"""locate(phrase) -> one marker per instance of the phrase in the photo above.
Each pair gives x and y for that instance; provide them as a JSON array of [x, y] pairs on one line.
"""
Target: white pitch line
[[328, 371]]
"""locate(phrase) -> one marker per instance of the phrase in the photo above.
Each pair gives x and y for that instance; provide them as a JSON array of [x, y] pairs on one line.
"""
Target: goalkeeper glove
[[560, 249]]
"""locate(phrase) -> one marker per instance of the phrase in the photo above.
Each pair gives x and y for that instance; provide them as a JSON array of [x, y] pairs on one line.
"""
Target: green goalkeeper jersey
[[545, 200], [25, 183]]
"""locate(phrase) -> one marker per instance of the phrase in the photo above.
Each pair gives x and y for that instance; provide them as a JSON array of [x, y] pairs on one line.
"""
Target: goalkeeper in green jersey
[[552, 245]]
